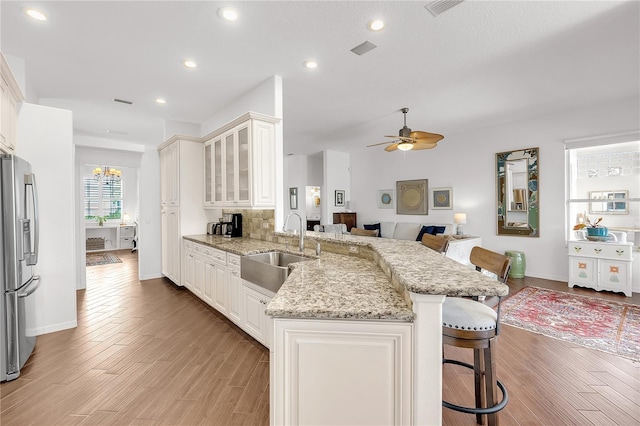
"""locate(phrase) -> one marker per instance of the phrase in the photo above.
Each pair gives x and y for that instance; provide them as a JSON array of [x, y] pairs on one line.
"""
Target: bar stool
[[474, 325], [437, 243]]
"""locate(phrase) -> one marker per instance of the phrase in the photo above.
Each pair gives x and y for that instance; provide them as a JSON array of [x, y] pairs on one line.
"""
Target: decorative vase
[[597, 232]]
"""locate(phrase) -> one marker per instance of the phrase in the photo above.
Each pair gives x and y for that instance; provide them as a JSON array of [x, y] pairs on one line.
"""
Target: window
[[602, 181], [102, 198]]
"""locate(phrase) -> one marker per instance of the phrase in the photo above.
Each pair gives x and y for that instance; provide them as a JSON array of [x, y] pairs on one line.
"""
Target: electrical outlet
[[353, 249], [265, 225]]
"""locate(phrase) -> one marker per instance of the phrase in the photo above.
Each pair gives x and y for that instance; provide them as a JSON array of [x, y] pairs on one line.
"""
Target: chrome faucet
[[284, 229]]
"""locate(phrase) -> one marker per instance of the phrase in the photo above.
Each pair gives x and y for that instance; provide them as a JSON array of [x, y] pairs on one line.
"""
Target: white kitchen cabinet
[[219, 281], [181, 199], [601, 265], [170, 234], [254, 303], [362, 370], [10, 96], [188, 266], [234, 307], [199, 281], [170, 175], [239, 162]]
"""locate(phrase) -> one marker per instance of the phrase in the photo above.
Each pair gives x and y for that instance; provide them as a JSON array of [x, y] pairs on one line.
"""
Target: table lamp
[[459, 219]]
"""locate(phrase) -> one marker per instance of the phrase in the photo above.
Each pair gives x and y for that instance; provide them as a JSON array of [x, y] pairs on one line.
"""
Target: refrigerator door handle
[[36, 279], [30, 179]]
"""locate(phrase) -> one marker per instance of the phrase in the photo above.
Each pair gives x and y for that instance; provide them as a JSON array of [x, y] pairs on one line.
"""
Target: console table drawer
[[601, 250]]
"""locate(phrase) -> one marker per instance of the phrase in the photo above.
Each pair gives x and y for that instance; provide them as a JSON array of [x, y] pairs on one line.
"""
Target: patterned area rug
[[607, 326], [102, 259]]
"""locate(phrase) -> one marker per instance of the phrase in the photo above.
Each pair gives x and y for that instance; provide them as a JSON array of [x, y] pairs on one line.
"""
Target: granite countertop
[[349, 287], [331, 287]]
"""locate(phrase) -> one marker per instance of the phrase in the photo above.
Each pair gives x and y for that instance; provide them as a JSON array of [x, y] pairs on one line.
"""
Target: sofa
[[458, 249], [408, 230]]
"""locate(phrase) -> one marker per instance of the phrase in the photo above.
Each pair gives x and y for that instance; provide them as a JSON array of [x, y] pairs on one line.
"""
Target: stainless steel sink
[[268, 270]]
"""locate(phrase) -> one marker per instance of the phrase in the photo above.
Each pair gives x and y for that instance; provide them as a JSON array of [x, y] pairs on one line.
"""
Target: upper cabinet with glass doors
[[239, 162]]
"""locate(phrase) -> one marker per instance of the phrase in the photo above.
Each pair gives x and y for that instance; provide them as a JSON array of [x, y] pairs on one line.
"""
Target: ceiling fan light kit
[[405, 146], [408, 140]]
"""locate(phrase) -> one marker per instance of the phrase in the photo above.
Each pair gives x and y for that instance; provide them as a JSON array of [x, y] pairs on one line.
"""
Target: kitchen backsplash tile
[[253, 223]]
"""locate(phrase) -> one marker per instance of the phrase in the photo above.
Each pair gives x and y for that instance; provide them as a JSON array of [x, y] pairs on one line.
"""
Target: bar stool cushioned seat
[[467, 323], [466, 314]]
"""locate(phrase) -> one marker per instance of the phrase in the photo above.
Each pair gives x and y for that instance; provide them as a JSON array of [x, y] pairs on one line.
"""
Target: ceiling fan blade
[[392, 147], [426, 136], [381, 143], [424, 145]]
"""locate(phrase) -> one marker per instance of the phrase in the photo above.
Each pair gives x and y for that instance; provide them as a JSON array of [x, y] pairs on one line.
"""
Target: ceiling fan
[[408, 140]]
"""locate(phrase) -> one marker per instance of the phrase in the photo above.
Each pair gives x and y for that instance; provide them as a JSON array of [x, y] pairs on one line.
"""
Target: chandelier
[[107, 174]]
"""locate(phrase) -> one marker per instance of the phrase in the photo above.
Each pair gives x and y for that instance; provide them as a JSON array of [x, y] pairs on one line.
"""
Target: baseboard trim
[[52, 328]]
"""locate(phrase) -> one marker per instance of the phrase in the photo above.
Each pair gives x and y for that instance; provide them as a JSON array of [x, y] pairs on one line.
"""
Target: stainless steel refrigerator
[[18, 255]]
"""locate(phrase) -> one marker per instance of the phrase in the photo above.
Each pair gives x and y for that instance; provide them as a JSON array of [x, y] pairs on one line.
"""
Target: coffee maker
[[233, 223]]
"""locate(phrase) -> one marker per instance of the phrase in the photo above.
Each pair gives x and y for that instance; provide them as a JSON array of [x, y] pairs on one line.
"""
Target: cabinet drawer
[[126, 242], [601, 250], [233, 261], [126, 231], [188, 245]]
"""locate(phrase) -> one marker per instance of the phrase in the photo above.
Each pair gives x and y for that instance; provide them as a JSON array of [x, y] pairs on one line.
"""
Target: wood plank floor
[[151, 353]]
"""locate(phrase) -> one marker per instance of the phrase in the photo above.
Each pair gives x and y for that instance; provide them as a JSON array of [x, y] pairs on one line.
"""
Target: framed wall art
[[412, 196], [442, 199], [386, 199], [339, 198]]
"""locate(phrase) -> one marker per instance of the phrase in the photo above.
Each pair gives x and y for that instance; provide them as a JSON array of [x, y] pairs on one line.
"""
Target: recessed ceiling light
[[228, 14], [36, 14], [375, 25], [161, 101], [190, 64], [311, 64]]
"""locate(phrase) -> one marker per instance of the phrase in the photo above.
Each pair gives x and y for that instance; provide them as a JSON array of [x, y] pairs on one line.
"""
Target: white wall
[[337, 176], [466, 162], [180, 128], [260, 99], [45, 139], [149, 241], [295, 168]]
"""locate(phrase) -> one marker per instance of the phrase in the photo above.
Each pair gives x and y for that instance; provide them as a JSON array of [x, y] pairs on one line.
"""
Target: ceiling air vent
[[441, 6], [363, 48], [122, 101]]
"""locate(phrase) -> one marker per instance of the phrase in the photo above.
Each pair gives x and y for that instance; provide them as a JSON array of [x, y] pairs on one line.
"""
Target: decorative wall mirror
[[518, 193], [609, 202], [293, 198]]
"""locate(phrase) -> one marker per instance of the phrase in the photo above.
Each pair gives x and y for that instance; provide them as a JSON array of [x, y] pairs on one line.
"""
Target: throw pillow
[[438, 230], [425, 230], [373, 227]]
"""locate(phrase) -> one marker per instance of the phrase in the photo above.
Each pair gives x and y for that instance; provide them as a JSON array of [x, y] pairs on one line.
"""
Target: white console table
[[601, 265], [459, 249], [115, 236]]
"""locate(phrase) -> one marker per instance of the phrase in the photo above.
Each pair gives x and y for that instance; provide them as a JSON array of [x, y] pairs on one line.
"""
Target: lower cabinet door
[[198, 282], [583, 271], [615, 276], [234, 307], [253, 306], [220, 288], [209, 276], [189, 271]]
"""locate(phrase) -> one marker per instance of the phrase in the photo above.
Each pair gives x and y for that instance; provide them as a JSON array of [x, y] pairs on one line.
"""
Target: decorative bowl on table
[[600, 233]]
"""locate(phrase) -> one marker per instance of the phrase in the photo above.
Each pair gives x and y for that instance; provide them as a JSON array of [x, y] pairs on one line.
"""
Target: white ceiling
[[480, 63]]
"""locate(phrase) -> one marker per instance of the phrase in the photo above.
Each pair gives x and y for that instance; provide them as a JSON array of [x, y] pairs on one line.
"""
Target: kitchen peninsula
[[357, 332]]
